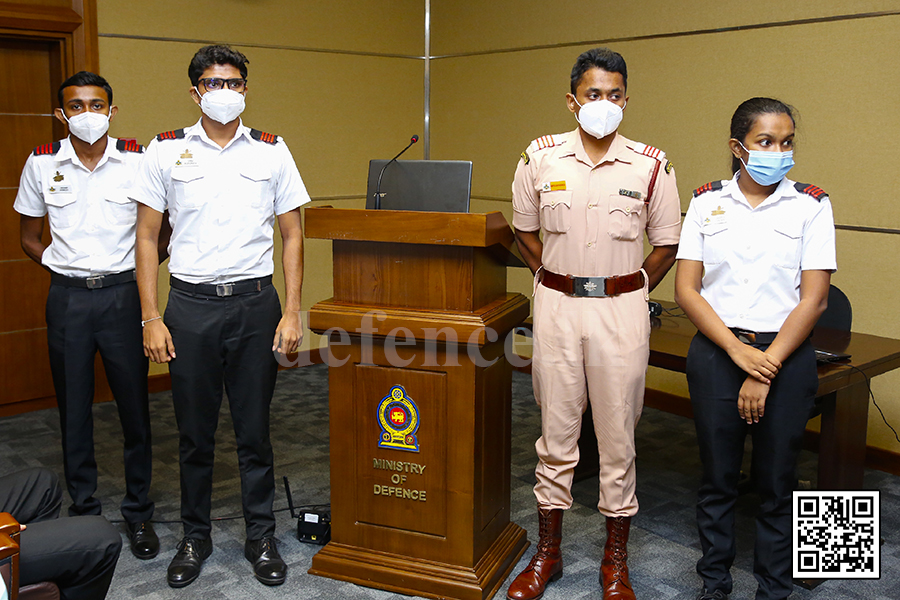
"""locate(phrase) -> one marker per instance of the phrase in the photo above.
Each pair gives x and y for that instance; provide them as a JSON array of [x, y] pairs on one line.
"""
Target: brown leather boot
[[546, 565], [613, 570]]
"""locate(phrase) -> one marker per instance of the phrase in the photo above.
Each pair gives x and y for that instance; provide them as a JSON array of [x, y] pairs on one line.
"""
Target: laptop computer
[[427, 185]]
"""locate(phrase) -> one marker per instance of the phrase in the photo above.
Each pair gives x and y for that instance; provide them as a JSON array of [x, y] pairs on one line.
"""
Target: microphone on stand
[[412, 141]]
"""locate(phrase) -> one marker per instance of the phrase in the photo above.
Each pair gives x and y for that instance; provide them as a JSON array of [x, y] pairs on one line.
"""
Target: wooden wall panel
[[24, 367], [22, 305]]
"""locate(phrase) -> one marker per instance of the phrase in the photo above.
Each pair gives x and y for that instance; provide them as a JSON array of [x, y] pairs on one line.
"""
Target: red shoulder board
[[651, 152], [47, 149], [171, 135], [129, 146], [712, 186], [262, 136], [814, 191]]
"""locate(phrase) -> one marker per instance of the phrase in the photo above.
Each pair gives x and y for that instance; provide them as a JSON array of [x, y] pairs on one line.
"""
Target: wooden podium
[[419, 401]]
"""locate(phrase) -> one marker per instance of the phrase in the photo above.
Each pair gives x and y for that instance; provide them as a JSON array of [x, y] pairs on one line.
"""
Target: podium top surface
[[409, 227]]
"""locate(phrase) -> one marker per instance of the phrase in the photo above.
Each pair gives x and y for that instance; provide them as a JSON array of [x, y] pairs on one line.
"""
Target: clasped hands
[[761, 368]]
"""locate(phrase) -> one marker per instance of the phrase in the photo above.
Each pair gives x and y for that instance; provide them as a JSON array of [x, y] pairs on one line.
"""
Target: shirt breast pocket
[[120, 209], [786, 244], [625, 217], [715, 243], [188, 187], [61, 209], [556, 209], [254, 183]]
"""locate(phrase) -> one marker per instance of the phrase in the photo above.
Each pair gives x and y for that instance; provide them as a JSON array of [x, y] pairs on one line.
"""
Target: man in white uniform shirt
[[223, 185], [81, 184]]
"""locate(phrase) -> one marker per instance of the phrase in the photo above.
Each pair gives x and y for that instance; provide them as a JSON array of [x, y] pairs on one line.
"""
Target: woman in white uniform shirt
[[755, 263]]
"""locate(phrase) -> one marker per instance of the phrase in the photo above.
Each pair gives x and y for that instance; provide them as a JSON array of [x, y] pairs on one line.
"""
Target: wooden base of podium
[[428, 579]]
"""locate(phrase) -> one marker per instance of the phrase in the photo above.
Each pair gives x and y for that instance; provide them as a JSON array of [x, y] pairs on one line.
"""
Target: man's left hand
[[289, 333]]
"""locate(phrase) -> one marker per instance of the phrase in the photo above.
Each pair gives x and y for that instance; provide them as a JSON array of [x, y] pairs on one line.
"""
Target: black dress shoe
[[267, 564], [716, 595], [144, 543], [185, 567]]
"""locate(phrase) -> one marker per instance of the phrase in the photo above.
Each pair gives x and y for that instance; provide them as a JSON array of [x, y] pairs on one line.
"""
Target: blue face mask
[[768, 168]]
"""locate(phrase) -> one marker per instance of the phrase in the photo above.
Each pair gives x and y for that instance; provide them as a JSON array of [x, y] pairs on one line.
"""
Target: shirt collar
[[617, 149], [196, 130], [67, 152], [784, 191]]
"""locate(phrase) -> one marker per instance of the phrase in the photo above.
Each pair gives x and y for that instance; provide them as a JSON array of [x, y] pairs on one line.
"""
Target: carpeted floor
[[663, 547]]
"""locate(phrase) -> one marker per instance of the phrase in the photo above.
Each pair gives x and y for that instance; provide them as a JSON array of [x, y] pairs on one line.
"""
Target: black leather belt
[[235, 288], [753, 337], [93, 283], [592, 287]]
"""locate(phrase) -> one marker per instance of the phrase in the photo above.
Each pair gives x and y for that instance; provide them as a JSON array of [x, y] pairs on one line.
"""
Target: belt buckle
[[224, 289], [95, 282], [586, 287], [747, 337]]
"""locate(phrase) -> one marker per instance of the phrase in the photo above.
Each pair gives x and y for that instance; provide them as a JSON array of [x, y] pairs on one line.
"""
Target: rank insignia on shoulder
[[262, 136], [545, 141], [812, 190], [649, 151], [669, 166], [525, 158], [47, 149], [712, 186], [171, 135], [127, 145], [630, 193]]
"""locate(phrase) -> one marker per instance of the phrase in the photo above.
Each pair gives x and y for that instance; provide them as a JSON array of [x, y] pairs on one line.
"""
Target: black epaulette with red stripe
[[129, 146], [171, 135], [712, 186], [262, 136], [814, 191], [47, 149]]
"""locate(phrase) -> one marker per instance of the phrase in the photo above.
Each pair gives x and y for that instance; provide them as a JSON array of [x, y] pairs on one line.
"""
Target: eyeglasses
[[214, 83]]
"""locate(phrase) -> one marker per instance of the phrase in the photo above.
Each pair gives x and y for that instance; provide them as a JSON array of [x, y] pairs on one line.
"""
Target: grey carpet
[[663, 547]]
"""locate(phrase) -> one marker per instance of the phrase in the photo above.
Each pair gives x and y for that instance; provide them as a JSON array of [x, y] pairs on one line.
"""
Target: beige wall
[[342, 82], [503, 72]]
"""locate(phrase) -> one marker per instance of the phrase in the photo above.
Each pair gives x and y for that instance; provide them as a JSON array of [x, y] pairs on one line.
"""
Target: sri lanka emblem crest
[[398, 417]]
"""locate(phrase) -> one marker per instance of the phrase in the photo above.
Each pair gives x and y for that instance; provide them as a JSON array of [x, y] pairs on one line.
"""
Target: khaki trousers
[[589, 349]]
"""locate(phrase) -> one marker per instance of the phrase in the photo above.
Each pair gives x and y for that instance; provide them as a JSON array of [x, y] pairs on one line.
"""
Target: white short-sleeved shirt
[[752, 257], [92, 219], [222, 202], [593, 217]]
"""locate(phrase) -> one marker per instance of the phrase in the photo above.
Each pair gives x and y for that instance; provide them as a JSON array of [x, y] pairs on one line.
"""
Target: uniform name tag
[[60, 189], [630, 193], [553, 186]]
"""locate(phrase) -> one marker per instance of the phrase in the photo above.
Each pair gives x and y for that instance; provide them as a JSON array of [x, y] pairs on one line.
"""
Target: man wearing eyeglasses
[[223, 184]]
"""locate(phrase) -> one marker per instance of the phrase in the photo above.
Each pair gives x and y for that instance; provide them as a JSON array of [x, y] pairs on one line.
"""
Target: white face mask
[[223, 106], [88, 126], [599, 118]]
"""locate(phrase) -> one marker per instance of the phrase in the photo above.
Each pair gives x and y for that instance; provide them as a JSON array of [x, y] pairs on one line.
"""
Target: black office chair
[[839, 314]]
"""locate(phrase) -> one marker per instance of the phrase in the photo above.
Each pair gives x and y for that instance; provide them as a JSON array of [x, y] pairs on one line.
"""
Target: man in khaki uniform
[[592, 193]]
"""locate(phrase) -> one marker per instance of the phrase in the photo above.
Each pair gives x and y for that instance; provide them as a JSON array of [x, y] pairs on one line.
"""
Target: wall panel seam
[[676, 34], [152, 38]]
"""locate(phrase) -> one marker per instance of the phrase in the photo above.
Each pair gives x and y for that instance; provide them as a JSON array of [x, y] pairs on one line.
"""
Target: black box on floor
[[314, 527]]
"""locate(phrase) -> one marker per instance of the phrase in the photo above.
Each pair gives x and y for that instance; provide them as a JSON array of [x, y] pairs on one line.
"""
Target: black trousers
[[81, 322], [78, 554], [714, 382], [224, 340]]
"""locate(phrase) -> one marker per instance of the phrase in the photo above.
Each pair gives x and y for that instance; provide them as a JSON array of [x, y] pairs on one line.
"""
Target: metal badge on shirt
[[58, 187], [716, 217], [186, 160]]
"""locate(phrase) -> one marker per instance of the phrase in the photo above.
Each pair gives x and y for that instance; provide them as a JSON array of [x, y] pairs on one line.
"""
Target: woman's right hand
[[756, 363]]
